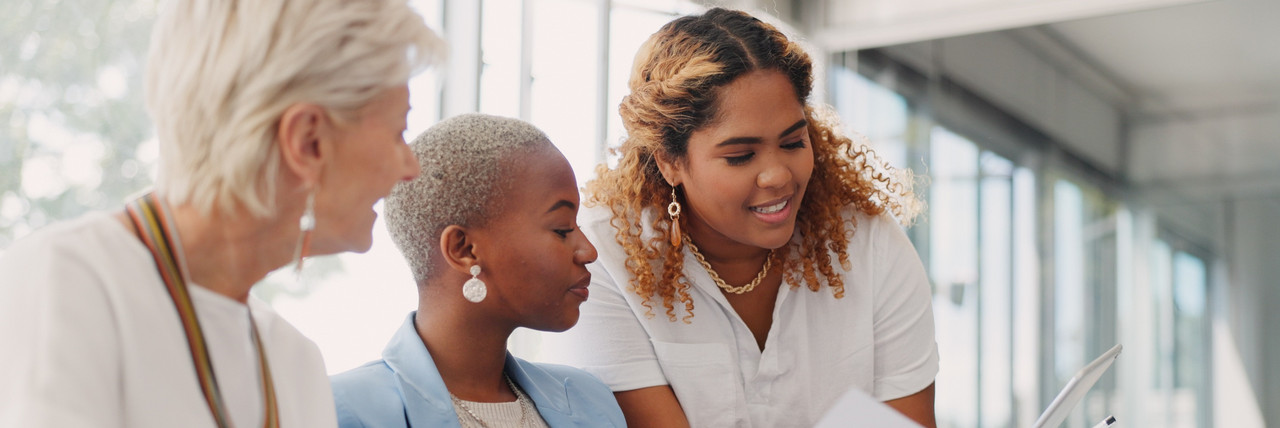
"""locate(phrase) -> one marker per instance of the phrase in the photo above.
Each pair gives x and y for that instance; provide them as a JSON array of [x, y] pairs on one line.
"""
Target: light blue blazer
[[404, 389]]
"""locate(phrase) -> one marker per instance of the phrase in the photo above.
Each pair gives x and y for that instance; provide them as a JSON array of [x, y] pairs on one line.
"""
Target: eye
[[739, 160], [795, 146], [564, 233]]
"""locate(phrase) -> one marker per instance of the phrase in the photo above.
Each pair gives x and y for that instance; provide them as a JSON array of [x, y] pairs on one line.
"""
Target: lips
[[580, 288], [775, 211]]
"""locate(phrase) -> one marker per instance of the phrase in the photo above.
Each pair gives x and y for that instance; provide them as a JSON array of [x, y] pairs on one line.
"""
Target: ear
[[457, 248], [302, 127], [672, 170]]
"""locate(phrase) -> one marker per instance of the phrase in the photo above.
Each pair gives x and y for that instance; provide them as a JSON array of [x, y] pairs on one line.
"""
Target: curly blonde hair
[[674, 84]]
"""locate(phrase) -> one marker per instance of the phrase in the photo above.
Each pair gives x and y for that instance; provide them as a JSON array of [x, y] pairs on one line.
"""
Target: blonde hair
[[677, 77], [221, 72]]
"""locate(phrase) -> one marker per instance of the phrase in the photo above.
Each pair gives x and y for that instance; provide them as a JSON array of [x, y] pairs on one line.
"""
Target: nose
[[412, 168], [775, 174], [586, 253]]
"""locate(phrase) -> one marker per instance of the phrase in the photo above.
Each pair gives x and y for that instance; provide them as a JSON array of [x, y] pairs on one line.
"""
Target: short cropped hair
[[462, 182], [221, 73]]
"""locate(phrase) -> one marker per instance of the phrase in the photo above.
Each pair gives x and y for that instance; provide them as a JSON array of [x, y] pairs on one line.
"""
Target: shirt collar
[[408, 357]]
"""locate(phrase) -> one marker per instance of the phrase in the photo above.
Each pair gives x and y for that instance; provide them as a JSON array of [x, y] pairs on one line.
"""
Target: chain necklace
[[768, 262], [520, 398]]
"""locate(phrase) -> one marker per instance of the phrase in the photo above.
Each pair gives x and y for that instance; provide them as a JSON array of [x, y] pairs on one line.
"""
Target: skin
[[366, 172], [533, 259], [350, 164], [754, 155]]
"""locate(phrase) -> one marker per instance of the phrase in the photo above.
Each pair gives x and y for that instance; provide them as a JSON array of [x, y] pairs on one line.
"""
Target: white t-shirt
[[879, 337], [90, 337]]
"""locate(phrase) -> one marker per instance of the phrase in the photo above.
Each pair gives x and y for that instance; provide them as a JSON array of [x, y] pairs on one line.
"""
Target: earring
[[306, 224], [474, 290], [673, 210]]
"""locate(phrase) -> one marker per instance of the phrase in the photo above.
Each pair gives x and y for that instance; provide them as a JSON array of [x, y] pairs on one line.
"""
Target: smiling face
[[744, 174], [532, 253], [369, 157]]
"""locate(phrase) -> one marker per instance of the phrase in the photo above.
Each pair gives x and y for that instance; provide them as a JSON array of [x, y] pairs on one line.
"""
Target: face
[[368, 156], [532, 253], [745, 173]]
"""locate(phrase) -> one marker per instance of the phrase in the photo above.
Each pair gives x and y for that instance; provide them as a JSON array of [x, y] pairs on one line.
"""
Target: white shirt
[[90, 337], [879, 337]]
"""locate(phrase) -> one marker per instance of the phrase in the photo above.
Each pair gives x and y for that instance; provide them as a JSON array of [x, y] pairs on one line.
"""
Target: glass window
[[1026, 293], [500, 47], [1083, 294], [953, 266], [629, 27], [1190, 341], [1024, 257], [565, 71], [75, 134], [874, 111], [995, 292], [1179, 395], [1069, 280]]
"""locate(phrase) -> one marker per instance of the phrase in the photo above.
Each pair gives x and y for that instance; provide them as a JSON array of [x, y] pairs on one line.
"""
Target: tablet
[[1075, 390]]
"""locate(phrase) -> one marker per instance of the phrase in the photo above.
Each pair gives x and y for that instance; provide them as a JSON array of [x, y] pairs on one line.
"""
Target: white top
[[90, 337], [879, 337]]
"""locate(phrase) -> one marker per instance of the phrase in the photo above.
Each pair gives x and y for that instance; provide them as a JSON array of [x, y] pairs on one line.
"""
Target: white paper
[[857, 409]]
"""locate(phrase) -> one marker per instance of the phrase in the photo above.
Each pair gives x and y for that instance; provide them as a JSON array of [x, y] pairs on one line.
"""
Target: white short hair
[[465, 178], [221, 73]]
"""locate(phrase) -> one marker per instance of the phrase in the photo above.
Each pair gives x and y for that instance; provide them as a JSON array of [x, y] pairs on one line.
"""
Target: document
[[858, 409]]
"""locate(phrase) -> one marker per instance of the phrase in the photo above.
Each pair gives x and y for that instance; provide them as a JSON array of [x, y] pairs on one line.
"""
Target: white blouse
[[90, 337], [879, 337]]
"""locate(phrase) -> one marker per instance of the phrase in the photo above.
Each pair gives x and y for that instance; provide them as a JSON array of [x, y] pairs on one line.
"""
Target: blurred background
[[1098, 172]]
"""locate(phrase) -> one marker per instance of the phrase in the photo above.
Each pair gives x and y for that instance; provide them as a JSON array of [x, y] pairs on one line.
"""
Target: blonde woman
[[280, 125]]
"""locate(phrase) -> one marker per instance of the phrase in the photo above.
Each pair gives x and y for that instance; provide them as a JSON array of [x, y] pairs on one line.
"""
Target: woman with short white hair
[[280, 125], [490, 233]]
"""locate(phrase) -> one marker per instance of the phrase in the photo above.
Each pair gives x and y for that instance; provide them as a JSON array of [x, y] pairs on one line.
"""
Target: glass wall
[[1022, 244]]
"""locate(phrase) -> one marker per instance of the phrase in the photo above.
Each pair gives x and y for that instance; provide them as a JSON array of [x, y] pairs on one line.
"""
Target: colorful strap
[[155, 230]]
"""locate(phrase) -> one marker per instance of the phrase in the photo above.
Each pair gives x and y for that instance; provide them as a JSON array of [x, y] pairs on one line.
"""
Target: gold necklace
[[768, 261], [520, 398]]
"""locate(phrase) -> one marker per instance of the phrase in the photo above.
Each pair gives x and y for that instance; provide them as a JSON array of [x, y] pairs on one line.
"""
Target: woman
[[280, 125], [491, 235], [750, 271]]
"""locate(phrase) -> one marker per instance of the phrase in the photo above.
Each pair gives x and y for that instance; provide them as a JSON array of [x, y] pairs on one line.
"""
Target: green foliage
[[71, 102], [72, 117]]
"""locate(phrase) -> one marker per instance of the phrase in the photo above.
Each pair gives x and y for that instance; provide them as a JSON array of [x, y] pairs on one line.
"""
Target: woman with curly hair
[[751, 267]]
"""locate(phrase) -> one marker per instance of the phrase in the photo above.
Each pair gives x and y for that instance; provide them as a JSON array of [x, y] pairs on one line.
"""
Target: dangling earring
[[673, 210], [306, 224], [474, 290]]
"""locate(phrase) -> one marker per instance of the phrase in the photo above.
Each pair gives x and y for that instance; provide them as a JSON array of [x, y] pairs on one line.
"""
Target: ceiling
[[1204, 81], [1197, 81], [1202, 56]]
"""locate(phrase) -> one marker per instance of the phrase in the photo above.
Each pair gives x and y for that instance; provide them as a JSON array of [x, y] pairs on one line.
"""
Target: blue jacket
[[404, 389]]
